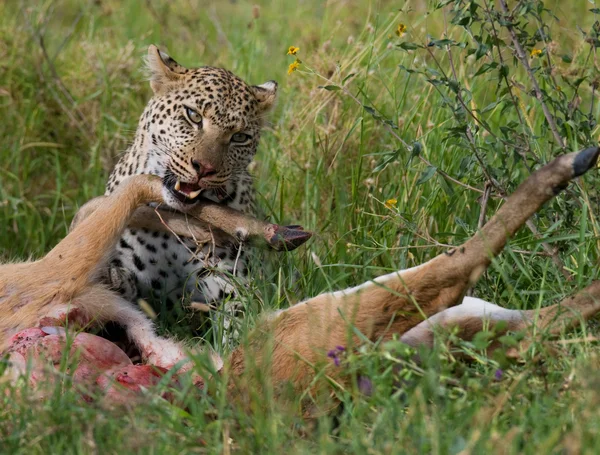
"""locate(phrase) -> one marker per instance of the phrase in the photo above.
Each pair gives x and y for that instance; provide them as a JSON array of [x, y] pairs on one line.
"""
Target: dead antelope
[[292, 343], [62, 288]]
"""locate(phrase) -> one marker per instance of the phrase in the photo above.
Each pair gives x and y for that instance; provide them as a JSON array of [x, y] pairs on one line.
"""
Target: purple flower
[[498, 374], [365, 386], [334, 354]]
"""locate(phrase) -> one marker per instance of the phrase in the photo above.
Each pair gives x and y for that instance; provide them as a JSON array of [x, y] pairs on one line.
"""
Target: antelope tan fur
[[208, 222], [63, 287], [292, 343], [400, 303]]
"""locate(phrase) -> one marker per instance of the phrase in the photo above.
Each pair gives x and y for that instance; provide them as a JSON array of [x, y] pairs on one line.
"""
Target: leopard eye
[[193, 116], [240, 137]]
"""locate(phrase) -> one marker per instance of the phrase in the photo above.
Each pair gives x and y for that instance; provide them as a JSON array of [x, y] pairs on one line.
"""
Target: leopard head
[[201, 128]]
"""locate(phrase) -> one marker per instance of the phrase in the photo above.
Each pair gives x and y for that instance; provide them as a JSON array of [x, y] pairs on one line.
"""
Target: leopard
[[199, 133]]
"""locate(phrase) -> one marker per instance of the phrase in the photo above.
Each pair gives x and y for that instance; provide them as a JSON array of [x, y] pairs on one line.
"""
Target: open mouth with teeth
[[187, 193]]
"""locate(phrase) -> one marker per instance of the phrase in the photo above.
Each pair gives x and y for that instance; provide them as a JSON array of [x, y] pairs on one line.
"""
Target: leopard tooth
[[194, 194], [177, 185]]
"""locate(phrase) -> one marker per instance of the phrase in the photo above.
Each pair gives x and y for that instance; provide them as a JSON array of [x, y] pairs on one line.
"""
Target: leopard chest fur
[[163, 267]]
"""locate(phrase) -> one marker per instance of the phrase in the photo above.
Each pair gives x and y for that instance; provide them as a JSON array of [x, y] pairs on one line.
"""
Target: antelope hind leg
[[473, 315], [470, 317], [392, 304]]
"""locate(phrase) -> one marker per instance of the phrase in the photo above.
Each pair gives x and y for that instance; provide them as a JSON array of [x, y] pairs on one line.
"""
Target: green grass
[[67, 115]]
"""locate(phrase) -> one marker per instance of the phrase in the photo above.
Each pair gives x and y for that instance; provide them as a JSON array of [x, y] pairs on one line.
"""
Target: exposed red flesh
[[122, 384], [97, 364]]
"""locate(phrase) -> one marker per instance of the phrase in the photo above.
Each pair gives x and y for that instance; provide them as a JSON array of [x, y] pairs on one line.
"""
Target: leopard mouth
[[186, 193]]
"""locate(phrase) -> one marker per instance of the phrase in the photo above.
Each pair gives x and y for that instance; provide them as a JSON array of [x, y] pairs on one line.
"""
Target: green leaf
[[482, 50], [458, 130], [434, 72], [417, 148], [427, 174], [491, 106], [441, 43], [435, 82], [348, 77], [331, 88], [464, 21], [454, 86], [370, 110], [407, 46], [481, 339], [408, 70], [485, 68], [503, 71], [442, 4], [508, 340], [566, 58], [388, 158]]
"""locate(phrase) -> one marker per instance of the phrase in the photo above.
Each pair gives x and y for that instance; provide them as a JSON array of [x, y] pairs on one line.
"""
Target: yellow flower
[[292, 50], [536, 53], [293, 66], [391, 203], [401, 30]]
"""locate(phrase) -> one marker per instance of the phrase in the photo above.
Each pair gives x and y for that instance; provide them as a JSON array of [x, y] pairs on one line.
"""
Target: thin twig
[[68, 36], [79, 120], [469, 133], [174, 233], [522, 56], [553, 252], [483, 205], [508, 84]]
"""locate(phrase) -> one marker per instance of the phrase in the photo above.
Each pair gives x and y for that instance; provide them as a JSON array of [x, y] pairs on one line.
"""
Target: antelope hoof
[[585, 160], [288, 238]]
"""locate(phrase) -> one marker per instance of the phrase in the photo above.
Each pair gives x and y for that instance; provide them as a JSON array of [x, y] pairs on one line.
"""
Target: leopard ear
[[266, 95], [164, 71]]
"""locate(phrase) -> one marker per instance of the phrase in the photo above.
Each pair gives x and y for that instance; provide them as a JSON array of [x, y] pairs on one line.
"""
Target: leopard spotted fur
[[199, 132]]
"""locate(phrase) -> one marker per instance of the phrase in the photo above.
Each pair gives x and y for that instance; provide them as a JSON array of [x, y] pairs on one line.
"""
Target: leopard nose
[[203, 169]]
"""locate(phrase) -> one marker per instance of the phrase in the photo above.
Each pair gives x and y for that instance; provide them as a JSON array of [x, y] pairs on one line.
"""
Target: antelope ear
[[266, 95], [164, 71]]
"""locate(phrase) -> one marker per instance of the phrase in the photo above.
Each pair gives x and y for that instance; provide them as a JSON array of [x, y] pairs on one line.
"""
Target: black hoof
[[286, 239], [585, 160]]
